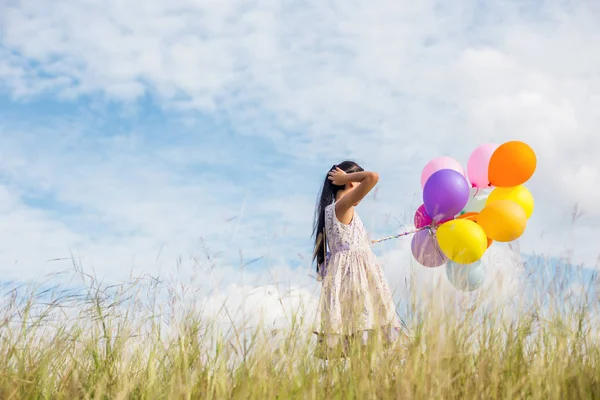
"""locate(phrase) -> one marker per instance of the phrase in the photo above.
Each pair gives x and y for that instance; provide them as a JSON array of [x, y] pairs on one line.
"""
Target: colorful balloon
[[445, 194], [503, 220], [466, 277], [422, 218], [478, 165], [462, 241], [519, 194], [426, 250], [512, 164], [438, 164]]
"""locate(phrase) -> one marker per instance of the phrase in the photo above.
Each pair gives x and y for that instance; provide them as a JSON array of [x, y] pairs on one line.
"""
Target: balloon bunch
[[463, 214]]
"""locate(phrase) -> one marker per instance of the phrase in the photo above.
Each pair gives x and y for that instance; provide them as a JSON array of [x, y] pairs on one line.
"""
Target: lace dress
[[355, 297]]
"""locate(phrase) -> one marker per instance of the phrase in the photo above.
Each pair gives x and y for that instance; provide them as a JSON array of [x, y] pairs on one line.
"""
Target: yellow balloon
[[462, 241], [503, 220], [519, 194]]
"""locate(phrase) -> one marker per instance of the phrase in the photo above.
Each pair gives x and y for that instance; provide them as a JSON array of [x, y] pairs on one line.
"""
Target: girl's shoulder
[[330, 213]]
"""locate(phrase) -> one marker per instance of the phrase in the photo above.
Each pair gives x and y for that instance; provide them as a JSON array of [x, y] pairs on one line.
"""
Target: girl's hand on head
[[337, 177]]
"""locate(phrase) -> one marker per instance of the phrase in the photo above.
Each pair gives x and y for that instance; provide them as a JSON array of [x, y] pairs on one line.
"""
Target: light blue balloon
[[465, 277]]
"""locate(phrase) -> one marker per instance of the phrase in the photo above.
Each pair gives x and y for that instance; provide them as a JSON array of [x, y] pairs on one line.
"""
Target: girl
[[355, 297]]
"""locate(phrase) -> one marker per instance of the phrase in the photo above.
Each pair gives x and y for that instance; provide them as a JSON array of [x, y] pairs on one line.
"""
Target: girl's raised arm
[[366, 182]]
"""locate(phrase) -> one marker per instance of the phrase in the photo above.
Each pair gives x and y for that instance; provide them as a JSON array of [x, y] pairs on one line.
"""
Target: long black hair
[[326, 197]]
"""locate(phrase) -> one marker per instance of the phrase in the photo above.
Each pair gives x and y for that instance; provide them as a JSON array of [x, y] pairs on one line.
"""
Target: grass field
[[143, 341]]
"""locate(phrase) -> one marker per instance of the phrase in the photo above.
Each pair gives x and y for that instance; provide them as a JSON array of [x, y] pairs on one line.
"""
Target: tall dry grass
[[143, 340]]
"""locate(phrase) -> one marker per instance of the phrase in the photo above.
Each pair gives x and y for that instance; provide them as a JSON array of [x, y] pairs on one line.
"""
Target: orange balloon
[[503, 220], [512, 164], [472, 216]]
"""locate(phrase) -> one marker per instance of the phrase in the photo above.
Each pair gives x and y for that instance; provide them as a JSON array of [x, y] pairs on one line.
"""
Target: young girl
[[355, 298]]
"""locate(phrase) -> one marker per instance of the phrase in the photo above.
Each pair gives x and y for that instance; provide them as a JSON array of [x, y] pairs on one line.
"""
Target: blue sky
[[140, 136]]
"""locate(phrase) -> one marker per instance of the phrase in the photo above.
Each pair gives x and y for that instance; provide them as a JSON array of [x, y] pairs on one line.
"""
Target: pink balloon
[[422, 218], [477, 167], [440, 163]]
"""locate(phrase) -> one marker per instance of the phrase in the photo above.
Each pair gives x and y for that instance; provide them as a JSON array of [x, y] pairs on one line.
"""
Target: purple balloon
[[445, 194], [425, 249]]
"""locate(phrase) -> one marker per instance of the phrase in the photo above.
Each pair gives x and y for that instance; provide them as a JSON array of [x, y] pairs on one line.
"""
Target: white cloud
[[390, 83]]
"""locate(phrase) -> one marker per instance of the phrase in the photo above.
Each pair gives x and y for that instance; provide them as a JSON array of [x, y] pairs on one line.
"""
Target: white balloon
[[466, 277]]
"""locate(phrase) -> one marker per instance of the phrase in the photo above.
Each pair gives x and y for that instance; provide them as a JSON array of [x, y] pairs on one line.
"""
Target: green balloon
[[476, 203]]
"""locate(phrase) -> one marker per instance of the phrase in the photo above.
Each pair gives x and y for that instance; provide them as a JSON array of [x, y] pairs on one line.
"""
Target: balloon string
[[401, 234]]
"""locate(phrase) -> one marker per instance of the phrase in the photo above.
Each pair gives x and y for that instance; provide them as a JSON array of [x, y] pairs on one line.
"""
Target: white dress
[[355, 296]]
